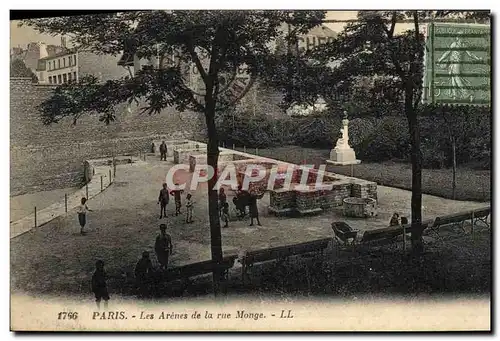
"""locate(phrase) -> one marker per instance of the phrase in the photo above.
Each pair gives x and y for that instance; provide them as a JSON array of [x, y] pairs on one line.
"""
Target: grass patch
[[472, 184]]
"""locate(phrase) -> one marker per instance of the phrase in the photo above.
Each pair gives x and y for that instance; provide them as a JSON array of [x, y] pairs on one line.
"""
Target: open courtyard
[[125, 221]]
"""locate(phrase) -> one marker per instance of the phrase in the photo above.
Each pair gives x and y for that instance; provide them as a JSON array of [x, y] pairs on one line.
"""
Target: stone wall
[[48, 157]]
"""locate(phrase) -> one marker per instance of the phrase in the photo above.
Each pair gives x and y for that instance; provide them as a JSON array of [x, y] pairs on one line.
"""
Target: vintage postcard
[[250, 170]]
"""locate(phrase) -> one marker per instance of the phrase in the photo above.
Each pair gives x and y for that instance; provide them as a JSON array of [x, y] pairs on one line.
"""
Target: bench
[[481, 215], [459, 219], [347, 236], [185, 272], [280, 253], [390, 233]]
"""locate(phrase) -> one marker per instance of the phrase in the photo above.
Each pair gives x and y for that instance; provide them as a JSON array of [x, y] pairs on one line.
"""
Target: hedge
[[374, 139]]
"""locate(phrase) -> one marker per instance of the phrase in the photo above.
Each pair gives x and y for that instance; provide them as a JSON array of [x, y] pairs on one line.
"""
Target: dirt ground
[[55, 259], [23, 205]]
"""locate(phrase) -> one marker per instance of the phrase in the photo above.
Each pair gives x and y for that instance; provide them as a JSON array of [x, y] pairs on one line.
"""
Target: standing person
[[163, 246], [394, 220], [163, 151], [225, 214], [254, 211], [189, 209], [177, 198], [144, 274], [82, 214], [163, 199], [99, 287], [222, 200]]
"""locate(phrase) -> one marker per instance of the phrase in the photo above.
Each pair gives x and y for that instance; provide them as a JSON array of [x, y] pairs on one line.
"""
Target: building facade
[[72, 64]]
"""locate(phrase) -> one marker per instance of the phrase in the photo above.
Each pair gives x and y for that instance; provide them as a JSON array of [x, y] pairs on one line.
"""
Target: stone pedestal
[[343, 155]]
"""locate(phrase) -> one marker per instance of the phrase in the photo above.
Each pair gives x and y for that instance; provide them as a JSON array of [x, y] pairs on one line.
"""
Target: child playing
[[82, 214], [189, 209], [225, 214], [99, 287], [177, 197]]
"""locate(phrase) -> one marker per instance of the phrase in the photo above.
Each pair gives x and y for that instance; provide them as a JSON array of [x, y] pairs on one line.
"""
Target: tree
[[371, 47], [19, 69], [216, 42]]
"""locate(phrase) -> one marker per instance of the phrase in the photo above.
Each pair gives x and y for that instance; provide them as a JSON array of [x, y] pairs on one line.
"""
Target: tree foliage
[[216, 42], [19, 69]]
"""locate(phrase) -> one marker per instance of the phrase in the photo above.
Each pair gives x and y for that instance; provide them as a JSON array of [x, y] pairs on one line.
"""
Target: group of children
[[164, 198]]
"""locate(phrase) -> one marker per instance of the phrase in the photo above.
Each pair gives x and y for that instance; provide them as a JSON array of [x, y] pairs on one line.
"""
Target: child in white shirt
[[82, 214]]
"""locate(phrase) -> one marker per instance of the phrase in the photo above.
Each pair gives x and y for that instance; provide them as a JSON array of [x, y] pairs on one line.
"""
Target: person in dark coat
[[176, 193], [144, 274], [163, 246], [163, 199], [254, 211], [163, 151], [99, 287]]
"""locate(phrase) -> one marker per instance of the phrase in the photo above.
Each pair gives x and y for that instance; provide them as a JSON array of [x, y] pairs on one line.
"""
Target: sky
[[24, 35]]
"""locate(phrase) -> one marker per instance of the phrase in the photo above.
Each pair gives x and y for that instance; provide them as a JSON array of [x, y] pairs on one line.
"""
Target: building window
[[48, 66], [69, 61], [59, 79], [69, 76], [53, 64], [74, 76], [65, 78], [50, 79], [64, 62], [74, 59], [59, 63]]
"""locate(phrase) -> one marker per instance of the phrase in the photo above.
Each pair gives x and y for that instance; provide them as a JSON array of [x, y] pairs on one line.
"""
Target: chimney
[[43, 50]]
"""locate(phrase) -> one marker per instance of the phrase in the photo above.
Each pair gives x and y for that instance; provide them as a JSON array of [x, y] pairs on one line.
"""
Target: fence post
[[35, 217], [244, 149], [110, 176], [234, 147], [256, 151], [65, 203], [87, 191], [101, 183]]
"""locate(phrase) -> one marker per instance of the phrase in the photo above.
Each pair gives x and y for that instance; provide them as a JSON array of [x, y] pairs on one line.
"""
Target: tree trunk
[[454, 166], [213, 204], [416, 179]]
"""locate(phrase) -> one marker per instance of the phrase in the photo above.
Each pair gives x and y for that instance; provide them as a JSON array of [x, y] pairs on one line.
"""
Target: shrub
[[389, 140]]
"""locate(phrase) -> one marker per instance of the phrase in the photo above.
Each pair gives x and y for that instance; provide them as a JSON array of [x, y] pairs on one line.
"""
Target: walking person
[[177, 198], [189, 209], [254, 211], [163, 199], [163, 247], [99, 286], [82, 215], [144, 275], [163, 151]]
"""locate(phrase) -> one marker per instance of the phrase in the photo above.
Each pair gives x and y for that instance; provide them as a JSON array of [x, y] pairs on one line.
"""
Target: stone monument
[[343, 154]]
